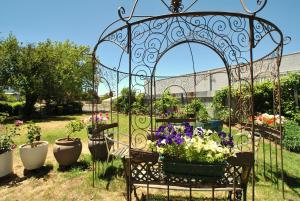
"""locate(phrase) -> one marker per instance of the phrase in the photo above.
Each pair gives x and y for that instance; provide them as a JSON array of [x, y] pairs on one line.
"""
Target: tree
[[122, 103], [51, 71]]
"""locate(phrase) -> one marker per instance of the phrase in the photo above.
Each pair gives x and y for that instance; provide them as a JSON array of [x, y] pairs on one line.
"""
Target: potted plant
[[33, 154], [206, 123], [6, 146], [67, 150], [184, 151], [96, 144]]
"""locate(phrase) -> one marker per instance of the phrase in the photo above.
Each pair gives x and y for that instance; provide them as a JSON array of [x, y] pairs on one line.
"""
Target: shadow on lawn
[[291, 181], [175, 198], [39, 173], [14, 180], [53, 118], [80, 165], [110, 173]]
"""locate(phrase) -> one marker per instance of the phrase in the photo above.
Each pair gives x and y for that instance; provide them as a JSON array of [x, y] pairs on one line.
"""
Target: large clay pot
[[66, 151], [6, 163], [98, 148], [34, 157]]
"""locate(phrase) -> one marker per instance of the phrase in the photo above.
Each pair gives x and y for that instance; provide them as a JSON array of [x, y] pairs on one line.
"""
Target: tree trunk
[[29, 104]]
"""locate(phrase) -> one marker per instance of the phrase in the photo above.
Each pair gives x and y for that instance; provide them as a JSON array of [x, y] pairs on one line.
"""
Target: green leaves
[[50, 71], [74, 126], [165, 102], [33, 133]]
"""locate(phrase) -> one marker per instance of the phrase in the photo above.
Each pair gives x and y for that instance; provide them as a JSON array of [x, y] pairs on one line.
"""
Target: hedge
[[13, 109]]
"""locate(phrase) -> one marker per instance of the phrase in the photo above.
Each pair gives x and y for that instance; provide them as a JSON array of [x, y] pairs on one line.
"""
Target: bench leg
[[238, 195], [229, 197]]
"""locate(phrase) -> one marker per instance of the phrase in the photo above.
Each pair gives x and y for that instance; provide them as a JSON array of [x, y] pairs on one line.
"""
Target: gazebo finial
[[176, 6]]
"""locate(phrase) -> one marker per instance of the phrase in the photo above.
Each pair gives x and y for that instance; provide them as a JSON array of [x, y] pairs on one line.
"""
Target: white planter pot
[[6, 163], [34, 157]]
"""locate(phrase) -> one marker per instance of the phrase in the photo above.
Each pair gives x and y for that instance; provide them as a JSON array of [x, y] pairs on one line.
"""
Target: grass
[[75, 183]]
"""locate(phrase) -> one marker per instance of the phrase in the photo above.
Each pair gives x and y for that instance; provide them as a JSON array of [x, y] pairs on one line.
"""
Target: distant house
[[11, 92]]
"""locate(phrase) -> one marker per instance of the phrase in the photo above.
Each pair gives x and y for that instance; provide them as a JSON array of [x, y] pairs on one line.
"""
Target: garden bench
[[120, 151], [146, 171]]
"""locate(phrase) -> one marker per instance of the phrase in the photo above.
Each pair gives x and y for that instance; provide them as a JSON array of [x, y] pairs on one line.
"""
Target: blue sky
[[82, 22]]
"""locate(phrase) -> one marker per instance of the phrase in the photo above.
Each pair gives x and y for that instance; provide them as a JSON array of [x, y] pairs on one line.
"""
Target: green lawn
[[51, 183]]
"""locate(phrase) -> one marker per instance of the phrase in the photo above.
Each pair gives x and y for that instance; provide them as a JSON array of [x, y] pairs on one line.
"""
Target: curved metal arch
[[106, 81], [175, 85], [189, 41]]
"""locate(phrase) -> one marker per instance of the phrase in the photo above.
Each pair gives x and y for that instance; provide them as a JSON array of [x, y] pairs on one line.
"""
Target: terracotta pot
[[66, 151], [6, 163], [34, 157], [98, 148]]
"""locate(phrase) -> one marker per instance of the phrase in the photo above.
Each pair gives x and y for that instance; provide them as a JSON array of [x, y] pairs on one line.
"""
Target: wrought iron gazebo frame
[[232, 36]]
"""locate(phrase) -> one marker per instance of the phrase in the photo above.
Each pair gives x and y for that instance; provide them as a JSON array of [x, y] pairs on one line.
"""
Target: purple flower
[[178, 139], [158, 143], [222, 134], [169, 140], [189, 134], [161, 128]]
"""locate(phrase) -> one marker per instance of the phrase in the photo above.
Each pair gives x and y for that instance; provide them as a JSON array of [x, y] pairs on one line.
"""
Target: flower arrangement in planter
[[7, 145], [33, 154], [269, 120], [99, 124], [67, 150], [187, 151], [96, 143]]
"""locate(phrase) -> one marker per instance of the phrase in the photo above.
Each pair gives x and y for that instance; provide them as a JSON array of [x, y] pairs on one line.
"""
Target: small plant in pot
[[7, 146], [67, 150], [33, 154], [96, 144]]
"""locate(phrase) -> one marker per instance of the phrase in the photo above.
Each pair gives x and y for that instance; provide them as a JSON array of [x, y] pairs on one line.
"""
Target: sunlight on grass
[[110, 183]]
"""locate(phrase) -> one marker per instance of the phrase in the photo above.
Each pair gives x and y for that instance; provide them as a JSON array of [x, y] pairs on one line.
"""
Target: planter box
[[100, 128], [174, 120], [6, 163], [205, 172], [214, 125]]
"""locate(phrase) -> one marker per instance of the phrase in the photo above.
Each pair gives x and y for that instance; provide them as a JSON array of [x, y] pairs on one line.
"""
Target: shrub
[[195, 106], [13, 109], [263, 97], [291, 140], [297, 117], [165, 103], [139, 107], [121, 104]]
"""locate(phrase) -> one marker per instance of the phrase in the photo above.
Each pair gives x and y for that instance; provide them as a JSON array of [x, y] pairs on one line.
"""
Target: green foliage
[[166, 103], [289, 84], [12, 108], [74, 126], [263, 97], [122, 102], [3, 117], [139, 107], [7, 135], [297, 117], [50, 71], [221, 111], [33, 133], [291, 139], [197, 107]]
